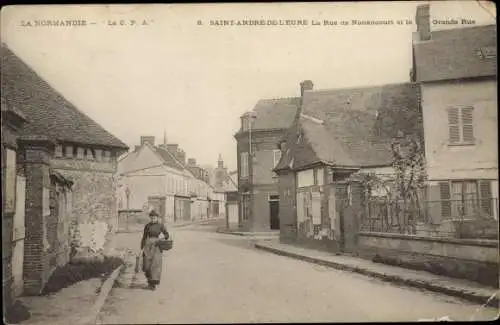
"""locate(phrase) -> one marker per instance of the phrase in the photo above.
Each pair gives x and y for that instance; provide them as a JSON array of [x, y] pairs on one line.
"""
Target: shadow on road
[[237, 241]]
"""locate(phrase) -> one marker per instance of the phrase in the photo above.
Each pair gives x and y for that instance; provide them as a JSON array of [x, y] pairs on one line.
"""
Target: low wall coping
[[458, 241]]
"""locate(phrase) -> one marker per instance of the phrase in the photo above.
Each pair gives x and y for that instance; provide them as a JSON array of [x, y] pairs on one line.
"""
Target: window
[[318, 176], [107, 156], [80, 153], [89, 154], [244, 164], [245, 123], [276, 157], [69, 152], [305, 178], [460, 126], [98, 154], [488, 52], [59, 151], [466, 198]]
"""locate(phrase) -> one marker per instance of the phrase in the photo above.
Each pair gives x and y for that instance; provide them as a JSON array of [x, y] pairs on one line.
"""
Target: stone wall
[[93, 194], [471, 259]]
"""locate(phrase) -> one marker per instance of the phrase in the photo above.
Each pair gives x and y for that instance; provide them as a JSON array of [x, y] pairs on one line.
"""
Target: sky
[[194, 81]]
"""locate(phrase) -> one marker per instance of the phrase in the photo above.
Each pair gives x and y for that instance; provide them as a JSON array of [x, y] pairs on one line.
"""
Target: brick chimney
[[148, 138], [173, 148], [181, 156], [220, 162], [191, 162], [422, 19], [306, 85]]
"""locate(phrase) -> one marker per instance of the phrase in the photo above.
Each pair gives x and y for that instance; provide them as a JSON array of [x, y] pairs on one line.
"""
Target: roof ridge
[[277, 99], [57, 95], [439, 31], [183, 166], [320, 91]]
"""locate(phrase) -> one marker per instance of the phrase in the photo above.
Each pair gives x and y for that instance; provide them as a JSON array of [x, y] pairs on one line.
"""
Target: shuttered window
[[444, 191], [460, 125], [244, 164], [466, 198], [486, 197]]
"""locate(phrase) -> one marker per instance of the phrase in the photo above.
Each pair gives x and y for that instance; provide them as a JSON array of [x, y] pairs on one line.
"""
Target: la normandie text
[[55, 23]]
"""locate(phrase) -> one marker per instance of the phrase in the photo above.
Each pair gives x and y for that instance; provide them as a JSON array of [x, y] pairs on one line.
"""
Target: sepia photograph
[[280, 162]]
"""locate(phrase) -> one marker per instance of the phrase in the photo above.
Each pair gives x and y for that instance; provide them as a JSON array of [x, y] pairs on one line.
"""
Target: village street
[[218, 278]]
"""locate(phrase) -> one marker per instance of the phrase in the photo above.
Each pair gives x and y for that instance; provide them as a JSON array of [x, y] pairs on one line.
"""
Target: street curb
[[469, 296], [103, 295], [248, 234], [221, 231]]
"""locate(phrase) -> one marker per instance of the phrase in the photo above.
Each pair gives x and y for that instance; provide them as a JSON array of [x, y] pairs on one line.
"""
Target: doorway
[[274, 207]]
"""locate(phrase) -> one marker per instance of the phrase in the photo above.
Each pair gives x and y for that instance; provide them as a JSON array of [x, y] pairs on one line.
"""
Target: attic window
[[488, 52]]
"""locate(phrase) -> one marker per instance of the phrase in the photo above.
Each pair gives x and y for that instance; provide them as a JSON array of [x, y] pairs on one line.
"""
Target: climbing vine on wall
[[402, 189]]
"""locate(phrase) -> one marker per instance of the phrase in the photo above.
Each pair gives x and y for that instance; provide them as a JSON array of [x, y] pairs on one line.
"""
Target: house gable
[[143, 158]]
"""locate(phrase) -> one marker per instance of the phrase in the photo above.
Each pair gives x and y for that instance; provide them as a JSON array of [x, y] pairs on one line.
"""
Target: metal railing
[[470, 218]]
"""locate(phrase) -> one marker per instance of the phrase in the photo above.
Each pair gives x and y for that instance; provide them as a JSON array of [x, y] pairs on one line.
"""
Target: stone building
[[68, 162], [12, 222], [457, 71], [336, 133], [158, 175], [258, 153]]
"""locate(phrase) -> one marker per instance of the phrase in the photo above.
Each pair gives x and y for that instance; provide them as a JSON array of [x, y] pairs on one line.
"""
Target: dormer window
[[245, 123], [488, 52]]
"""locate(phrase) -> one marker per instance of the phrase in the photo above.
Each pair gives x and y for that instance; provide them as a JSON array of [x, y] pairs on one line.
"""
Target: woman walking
[[152, 256]]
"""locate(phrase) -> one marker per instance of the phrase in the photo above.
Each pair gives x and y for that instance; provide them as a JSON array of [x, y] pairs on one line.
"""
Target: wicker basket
[[165, 244]]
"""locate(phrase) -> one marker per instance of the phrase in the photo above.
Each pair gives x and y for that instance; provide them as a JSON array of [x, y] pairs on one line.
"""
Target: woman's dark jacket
[[153, 230]]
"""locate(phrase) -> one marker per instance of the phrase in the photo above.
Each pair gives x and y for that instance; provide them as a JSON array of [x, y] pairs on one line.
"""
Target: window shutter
[[467, 127], [454, 124], [486, 197], [444, 191]]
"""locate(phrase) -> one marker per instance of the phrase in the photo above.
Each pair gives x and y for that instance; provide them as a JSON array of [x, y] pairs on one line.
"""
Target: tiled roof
[[274, 113], [457, 53], [48, 112], [169, 159], [353, 127]]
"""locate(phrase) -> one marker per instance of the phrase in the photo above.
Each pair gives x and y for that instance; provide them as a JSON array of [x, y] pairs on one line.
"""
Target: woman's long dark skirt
[[152, 261]]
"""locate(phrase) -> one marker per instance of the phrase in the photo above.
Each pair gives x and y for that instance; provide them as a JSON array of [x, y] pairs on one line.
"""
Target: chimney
[[136, 148], [172, 148], [181, 156], [305, 86], [422, 19], [148, 138], [192, 162], [220, 162]]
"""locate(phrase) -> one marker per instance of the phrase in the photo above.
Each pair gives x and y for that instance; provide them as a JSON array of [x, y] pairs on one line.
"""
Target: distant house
[[66, 162], [457, 70], [158, 176], [336, 133], [260, 131], [230, 188]]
